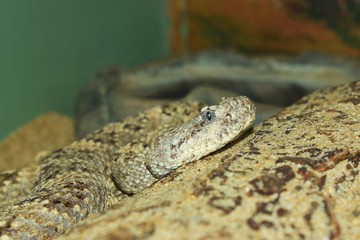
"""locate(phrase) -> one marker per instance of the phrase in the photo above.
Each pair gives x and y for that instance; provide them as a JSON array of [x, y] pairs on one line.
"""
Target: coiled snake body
[[85, 177]]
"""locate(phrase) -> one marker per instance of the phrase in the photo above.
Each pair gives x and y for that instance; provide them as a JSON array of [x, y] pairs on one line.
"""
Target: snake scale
[[84, 178]]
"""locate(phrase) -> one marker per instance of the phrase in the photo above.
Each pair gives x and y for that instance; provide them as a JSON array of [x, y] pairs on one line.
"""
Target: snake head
[[214, 127], [230, 118]]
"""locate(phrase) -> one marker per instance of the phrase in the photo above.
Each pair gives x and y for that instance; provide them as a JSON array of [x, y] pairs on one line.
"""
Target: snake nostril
[[228, 116]]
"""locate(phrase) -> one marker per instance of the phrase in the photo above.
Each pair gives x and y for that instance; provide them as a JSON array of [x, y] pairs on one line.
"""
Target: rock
[[43, 135], [295, 176], [115, 93]]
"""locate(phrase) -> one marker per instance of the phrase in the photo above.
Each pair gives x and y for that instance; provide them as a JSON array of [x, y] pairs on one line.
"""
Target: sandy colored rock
[[45, 134], [296, 176]]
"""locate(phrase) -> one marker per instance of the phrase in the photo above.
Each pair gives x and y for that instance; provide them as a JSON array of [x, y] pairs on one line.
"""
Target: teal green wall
[[49, 49]]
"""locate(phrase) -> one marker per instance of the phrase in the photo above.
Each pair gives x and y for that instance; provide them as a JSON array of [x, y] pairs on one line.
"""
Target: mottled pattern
[[75, 181], [16, 184], [156, 156], [48, 199], [294, 177]]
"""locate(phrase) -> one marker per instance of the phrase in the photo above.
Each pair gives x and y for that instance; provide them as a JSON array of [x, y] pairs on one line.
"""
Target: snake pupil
[[208, 115]]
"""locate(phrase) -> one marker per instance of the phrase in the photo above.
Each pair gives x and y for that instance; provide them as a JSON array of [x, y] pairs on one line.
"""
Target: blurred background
[[49, 49]]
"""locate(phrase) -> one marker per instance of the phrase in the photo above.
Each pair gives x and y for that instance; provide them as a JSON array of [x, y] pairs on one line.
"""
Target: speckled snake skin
[[77, 181]]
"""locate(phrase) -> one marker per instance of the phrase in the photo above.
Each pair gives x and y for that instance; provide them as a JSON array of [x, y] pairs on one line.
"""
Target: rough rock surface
[[296, 176], [45, 134]]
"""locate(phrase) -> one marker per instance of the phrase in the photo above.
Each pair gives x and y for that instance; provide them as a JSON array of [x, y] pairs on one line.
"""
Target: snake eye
[[208, 116]]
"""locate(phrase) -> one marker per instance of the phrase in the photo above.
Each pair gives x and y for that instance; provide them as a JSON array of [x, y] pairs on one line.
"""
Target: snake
[[93, 174]]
